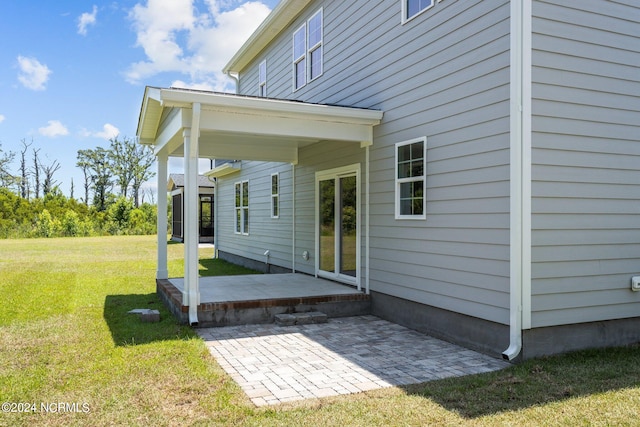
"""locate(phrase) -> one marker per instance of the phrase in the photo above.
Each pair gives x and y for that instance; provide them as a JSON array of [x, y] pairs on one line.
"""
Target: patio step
[[286, 319]]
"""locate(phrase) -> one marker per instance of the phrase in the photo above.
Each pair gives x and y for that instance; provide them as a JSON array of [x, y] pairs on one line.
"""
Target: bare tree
[[49, 183], [72, 188], [24, 173], [36, 172]]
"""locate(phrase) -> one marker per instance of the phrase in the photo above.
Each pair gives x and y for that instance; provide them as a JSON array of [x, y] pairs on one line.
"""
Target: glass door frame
[[335, 174]]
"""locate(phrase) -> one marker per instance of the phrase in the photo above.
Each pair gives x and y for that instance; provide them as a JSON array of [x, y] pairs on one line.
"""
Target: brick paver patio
[[275, 364]]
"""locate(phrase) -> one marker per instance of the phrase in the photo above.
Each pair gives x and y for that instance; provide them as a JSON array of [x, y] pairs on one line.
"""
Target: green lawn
[[65, 337]]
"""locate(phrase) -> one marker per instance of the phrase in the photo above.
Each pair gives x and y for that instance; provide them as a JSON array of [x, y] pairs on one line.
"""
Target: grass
[[65, 337]]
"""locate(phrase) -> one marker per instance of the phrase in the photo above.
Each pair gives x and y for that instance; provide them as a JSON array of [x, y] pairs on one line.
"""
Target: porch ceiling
[[247, 128]]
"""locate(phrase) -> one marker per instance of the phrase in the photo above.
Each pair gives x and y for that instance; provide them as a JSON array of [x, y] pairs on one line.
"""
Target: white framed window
[[242, 207], [308, 51], [275, 195], [314, 31], [262, 78], [411, 179], [300, 57], [413, 8]]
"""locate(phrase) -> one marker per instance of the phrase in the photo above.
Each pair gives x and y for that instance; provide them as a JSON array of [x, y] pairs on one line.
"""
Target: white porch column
[[191, 296], [162, 272]]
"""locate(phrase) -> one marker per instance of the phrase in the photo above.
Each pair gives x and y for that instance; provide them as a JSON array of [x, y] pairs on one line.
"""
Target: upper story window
[[308, 51], [262, 78], [300, 58], [412, 8], [315, 45], [411, 179]]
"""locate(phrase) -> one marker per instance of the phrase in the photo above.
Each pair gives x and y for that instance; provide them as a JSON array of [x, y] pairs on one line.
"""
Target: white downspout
[[293, 217], [366, 220], [235, 77], [520, 176], [215, 218]]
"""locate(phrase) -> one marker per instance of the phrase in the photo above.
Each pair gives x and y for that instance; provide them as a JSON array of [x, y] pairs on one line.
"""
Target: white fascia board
[[150, 113], [280, 17]]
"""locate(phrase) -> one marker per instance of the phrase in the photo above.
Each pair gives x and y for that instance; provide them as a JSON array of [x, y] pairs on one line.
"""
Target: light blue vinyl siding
[[265, 233], [443, 75], [586, 157]]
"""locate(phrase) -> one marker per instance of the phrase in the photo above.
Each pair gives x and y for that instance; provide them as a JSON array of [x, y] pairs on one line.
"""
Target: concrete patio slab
[[258, 298], [275, 364]]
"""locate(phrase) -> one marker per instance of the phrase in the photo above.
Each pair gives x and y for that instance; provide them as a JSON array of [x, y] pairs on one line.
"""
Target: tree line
[[112, 200]]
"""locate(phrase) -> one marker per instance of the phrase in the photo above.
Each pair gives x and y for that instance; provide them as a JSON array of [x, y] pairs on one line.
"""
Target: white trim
[[224, 170], [276, 196], [335, 173], [399, 181]]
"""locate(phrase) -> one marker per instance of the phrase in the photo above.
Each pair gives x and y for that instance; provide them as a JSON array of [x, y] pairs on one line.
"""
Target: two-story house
[[474, 165]]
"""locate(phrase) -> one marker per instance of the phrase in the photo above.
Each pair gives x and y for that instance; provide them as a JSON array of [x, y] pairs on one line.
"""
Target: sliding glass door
[[337, 225]]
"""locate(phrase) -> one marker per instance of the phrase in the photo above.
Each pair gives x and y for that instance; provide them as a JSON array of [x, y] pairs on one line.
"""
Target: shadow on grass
[[219, 267], [536, 382], [128, 329]]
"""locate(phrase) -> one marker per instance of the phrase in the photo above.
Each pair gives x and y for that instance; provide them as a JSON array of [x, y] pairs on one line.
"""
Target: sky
[[73, 73]]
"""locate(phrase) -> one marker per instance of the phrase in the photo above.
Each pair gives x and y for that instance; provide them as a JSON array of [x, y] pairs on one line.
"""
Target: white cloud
[[178, 38], [2, 117], [53, 129], [33, 75], [108, 131], [87, 19]]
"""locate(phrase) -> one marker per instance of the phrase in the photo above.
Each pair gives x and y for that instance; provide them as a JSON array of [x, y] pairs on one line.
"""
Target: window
[[412, 8], [262, 79], [299, 58], [315, 45], [411, 179], [308, 51], [242, 207], [275, 195]]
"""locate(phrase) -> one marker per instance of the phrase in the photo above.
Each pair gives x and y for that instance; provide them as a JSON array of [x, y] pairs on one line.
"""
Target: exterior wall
[[443, 75], [586, 152], [265, 233], [275, 235]]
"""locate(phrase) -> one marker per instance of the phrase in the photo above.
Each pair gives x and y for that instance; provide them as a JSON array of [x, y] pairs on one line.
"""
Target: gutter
[[520, 177]]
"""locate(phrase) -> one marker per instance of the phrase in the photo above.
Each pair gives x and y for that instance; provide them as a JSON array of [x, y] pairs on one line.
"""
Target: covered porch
[[197, 124], [258, 298]]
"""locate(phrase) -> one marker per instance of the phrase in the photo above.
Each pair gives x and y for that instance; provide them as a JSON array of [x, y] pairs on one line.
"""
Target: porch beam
[[249, 149], [291, 126]]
